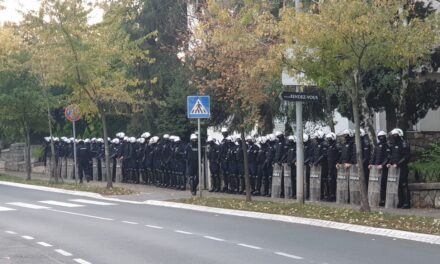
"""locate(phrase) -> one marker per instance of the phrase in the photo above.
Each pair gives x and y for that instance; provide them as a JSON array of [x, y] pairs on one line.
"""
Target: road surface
[[62, 228]]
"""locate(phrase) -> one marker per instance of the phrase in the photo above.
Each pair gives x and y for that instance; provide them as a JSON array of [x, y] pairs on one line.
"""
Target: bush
[[427, 166]]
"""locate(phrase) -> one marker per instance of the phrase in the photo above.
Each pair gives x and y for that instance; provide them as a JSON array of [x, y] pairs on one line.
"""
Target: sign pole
[[299, 152], [200, 158], [74, 152]]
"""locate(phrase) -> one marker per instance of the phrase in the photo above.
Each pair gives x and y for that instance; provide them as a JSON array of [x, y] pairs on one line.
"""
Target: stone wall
[[425, 195], [419, 141]]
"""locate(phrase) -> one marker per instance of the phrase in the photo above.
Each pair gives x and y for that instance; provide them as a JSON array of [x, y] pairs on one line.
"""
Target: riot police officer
[[332, 160], [179, 154], [84, 157], [348, 150], [214, 164], [379, 160], [399, 158], [224, 166], [308, 148], [291, 160], [252, 153], [319, 158], [115, 154], [166, 155], [270, 157], [192, 163], [261, 166]]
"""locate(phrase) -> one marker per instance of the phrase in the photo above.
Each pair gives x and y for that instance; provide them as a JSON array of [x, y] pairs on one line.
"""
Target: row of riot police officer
[[320, 149], [165, 162]]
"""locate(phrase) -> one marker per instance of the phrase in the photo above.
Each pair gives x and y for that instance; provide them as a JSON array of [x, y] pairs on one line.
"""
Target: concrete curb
[[424, 238]]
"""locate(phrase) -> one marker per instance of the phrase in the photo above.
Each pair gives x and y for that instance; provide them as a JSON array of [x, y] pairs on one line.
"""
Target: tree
[[344, 40], [97, 61], [232, 65]]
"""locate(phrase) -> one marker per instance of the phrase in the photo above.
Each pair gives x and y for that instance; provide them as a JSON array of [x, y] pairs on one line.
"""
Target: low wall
[[425, 195], [419, 141]]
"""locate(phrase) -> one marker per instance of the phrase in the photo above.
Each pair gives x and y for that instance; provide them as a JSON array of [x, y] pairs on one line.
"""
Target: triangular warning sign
[[199, 109]]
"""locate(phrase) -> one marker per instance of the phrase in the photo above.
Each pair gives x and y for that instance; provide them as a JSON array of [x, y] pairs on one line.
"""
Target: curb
[[418, 237]]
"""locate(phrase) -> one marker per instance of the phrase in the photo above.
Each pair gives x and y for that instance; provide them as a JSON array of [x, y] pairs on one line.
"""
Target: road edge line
[[406, 235]]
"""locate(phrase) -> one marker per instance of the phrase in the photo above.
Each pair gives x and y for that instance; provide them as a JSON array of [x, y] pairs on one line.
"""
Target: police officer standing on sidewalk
[[192, 163], [214, 164], [379, 160], [400, 155]]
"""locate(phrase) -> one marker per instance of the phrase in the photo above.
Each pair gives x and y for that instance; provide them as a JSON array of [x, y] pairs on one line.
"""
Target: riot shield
[[354, 185], [287, 181], [315, 183], [374, 186], [392, 198], [276, 180], [95, 169], [342, 186]]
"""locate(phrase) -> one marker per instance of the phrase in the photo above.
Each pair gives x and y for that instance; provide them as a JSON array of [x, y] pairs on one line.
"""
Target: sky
[[12, 14]]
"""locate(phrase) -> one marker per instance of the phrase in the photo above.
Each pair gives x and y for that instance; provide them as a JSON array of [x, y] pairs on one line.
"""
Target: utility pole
[[299, 140]]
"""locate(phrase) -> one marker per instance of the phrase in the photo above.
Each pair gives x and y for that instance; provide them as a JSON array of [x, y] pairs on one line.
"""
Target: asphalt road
[[61, 228]]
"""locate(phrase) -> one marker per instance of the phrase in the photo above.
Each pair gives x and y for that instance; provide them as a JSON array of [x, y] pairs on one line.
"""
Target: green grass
[[427, 225], [71, 186]]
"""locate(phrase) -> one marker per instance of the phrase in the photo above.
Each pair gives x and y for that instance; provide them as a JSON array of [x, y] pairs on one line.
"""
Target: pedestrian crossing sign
[[199, 106]]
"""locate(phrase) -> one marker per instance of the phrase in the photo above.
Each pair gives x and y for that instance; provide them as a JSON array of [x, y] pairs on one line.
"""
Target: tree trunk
[[368, 119], [106, 149], [402, 122], [27, 155], [330, 113], [356, 87], [247, 180], [53, 175]]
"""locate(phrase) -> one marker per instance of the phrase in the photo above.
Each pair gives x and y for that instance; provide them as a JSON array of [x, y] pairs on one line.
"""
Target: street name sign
[[303, 97]]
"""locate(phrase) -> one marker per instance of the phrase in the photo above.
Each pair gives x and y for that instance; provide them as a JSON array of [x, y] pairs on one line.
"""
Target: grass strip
[[84, 187], [419, 224]]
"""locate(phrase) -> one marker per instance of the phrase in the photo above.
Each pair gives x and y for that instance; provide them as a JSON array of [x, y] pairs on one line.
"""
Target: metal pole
[[299, 141], [199, 138], [74, 153]]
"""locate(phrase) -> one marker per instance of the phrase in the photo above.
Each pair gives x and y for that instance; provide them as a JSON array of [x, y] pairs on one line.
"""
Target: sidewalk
[[147, 192]]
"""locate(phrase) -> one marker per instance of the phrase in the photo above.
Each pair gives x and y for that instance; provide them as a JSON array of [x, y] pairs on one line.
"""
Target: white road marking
[[85, 215], [70, 205], [155, 227], [183, 232], [81, 261], [27, 205], [214, 238], [3, 209], [44, 244], [27, 237], [85, 201], [288, 255], [62, 252], [10, 232], [130, 223], [248, 246]]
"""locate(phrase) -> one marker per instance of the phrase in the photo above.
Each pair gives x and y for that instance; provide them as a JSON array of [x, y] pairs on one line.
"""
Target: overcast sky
[[12, 14]]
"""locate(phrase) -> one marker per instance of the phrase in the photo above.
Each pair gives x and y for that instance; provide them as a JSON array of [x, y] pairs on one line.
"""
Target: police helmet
[[362, 131], [381, 134], [193, 137], [224, 130], [209, 139], [291, 138], [305, 138], [331, 136], [320, 134]]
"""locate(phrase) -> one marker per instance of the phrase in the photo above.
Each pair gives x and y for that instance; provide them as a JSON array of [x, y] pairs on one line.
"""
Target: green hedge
[[427, 164]]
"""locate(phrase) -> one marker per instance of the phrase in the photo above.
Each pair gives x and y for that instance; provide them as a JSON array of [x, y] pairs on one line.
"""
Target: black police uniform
[[214, 166], [381, 155], [400, 155]]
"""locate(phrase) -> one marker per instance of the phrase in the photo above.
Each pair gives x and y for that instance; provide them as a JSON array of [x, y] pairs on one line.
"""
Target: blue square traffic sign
[[199, 106]]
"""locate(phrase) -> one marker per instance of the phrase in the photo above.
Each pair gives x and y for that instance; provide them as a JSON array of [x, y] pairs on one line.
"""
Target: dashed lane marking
[[84, 215], [27, 205], [183, 232], [4, 209], [213, 238], [81, 261], [44, 244], [248, 246], [85, 201], [28, 237], [153, 226], [288, 255], [62, 252], [70, 205], [10, 232], [130, 223]]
